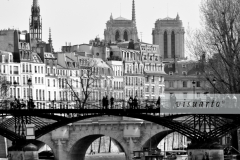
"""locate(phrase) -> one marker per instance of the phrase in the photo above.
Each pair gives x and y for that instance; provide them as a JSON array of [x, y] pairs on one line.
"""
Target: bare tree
[[89, 75], [4, 94], [217, 44]]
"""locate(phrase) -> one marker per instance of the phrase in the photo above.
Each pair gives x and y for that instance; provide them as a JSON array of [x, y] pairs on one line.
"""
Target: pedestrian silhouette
[[112, 102], [130, 102], [107, 102], [135, 102], [158, 103]]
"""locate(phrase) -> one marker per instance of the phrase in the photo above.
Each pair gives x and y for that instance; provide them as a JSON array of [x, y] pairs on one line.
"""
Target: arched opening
[[44, 151], [97, 147], [165, 40], [125, 36], [117, 36], [167, 140], [173, 44]]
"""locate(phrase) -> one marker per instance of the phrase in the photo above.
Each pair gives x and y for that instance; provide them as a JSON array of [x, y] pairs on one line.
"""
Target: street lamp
[[15, 86], [29, 84], [193, 83]]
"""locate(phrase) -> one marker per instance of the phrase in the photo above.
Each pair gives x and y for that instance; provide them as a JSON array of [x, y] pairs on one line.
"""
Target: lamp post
[[193, 83], [15, 86], [214, 82]]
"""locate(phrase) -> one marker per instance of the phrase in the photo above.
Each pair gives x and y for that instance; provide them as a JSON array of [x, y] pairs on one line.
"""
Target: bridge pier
[[202, 150], [61, 153]]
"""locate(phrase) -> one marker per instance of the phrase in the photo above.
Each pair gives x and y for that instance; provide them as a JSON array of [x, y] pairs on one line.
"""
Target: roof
[[121, 19], [168, 18], [100, 63], [36, 58]]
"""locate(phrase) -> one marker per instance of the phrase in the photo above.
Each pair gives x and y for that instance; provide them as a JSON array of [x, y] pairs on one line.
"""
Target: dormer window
[[184, 73], [198, 73]]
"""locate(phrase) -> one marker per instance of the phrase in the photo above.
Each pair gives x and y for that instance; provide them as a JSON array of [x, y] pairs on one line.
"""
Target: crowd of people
[[131, 103]]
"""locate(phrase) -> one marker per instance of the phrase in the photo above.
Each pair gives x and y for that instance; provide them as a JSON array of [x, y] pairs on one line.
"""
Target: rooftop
[[121, 19]]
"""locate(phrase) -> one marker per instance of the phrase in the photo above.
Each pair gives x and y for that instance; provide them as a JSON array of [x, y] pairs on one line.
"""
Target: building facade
[[121, 29], [169, 35]]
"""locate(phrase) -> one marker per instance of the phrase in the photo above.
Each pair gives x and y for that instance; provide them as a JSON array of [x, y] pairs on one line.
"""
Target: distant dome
[[168, 18], [121, 18], [30, 147]]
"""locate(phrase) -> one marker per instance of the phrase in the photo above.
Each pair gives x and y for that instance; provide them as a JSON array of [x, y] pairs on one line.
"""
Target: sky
[[78, 21]]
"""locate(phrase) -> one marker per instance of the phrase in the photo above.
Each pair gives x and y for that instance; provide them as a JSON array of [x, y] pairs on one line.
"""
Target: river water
[[106, 156]]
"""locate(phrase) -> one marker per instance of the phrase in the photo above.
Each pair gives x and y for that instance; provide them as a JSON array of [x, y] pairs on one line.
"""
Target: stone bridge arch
[[156, 139], [84, 133]]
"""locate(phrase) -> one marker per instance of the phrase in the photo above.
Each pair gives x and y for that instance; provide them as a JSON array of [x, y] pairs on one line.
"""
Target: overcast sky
[[78, 21]]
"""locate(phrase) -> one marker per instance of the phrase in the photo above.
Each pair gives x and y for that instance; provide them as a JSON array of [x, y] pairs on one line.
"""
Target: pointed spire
[[50, 37], [35, 3], [111, 17], [177, 18], [133, 11]]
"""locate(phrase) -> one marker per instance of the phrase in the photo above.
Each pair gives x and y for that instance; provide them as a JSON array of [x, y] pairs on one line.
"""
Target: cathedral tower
[[121, 29], [169, 35], [35, 22]]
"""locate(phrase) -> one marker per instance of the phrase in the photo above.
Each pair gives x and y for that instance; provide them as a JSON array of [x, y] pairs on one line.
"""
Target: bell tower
[[35, 22]]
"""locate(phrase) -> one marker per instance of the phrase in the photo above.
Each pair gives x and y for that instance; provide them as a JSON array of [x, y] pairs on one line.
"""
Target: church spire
[[35, 3], [50, 37], [133, 11], [111, 17], [35, 25]]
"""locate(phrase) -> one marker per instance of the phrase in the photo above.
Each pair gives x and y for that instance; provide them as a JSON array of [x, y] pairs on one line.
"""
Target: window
[[125, 36], [153, 79], [15, 69], [147, 89], [152, 89], [170, 73], [184, 73], [117, 36], [165, 45], [10, 69], [49, 95], [54, 83], [170, 83], [48, 83], [198, 84], [184, 84], [35, 69], [147, 79], [173, 44]]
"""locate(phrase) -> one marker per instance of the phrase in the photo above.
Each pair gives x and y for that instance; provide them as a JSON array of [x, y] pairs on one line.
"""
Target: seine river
[[106, 156]]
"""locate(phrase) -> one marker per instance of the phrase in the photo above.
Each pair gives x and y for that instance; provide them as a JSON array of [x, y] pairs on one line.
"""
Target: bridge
[[202, 129]]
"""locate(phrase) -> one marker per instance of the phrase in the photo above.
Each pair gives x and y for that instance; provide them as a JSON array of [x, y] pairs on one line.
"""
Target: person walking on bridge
[[135, 102], [112, 102], [130, 102]]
